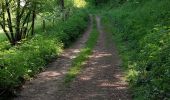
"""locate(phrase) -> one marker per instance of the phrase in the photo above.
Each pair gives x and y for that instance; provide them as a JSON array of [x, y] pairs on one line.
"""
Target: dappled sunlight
[[71, 53], [48, 75], [72, 57], [102, 54], [89, 76], [111, 95], [1, 31], [93, 63], [76, 50], [95, 94], [86, 78], [106, 66], [80, 3], [117, 85], [119, 76]]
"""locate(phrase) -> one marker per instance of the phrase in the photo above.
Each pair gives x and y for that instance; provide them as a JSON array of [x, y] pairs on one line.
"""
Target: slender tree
[[62, 4], [15, 16]]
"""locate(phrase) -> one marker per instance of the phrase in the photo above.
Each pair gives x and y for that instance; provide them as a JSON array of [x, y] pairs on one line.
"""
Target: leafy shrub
[[72, 28], [23, 61]]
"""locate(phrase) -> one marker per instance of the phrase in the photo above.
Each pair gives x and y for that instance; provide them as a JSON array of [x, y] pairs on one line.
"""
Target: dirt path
[[47, 84], [102, 78]]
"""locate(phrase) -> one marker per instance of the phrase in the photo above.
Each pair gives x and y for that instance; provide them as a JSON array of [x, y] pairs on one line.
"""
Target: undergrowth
[[142, 32], [29, 57]]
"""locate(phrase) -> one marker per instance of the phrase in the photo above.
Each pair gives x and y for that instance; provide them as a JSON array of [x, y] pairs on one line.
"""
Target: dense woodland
[[34, 32]]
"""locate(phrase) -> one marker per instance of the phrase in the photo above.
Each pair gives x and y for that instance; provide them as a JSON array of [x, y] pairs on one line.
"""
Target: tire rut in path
[[101, 79], [48, 83]]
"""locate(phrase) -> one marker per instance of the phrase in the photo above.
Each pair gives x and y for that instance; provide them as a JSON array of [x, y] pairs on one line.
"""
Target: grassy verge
[[79, 61], [142, 35]]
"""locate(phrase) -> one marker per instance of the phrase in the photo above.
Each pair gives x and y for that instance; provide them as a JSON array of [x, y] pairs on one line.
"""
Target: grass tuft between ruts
[[82, 57]]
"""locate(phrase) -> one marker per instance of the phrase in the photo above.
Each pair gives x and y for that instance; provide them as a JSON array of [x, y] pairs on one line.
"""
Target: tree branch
[[9, 19]]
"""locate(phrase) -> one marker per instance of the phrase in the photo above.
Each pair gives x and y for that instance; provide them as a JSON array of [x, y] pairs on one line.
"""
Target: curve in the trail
[[101, 79], [48, 83]]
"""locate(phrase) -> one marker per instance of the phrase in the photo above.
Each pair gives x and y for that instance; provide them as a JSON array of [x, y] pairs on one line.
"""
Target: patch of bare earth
[[101, 79], [47, 84]]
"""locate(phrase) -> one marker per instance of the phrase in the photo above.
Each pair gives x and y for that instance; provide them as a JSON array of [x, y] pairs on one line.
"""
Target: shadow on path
[[101, 79], [47, 84]]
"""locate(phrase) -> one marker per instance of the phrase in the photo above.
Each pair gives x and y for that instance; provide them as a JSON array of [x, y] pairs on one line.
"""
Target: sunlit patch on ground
[[114, 85], [85, 78], [106, 66], [80, 3], [48, 75], [76, 51], [102, 54]]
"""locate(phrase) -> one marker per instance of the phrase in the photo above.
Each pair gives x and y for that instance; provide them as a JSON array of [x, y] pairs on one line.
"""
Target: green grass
[[80, 60], [142, 33]]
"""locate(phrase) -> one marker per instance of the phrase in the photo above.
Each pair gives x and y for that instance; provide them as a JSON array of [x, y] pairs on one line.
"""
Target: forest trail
[[47, 83], [101, 78]]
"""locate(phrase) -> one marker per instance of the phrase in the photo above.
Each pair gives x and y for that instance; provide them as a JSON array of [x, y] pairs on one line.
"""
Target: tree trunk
[[15, 20], [18, 19], [96, 3], [62, 5], [33, 18], [3, 23], [43, 25], [9, 20]]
